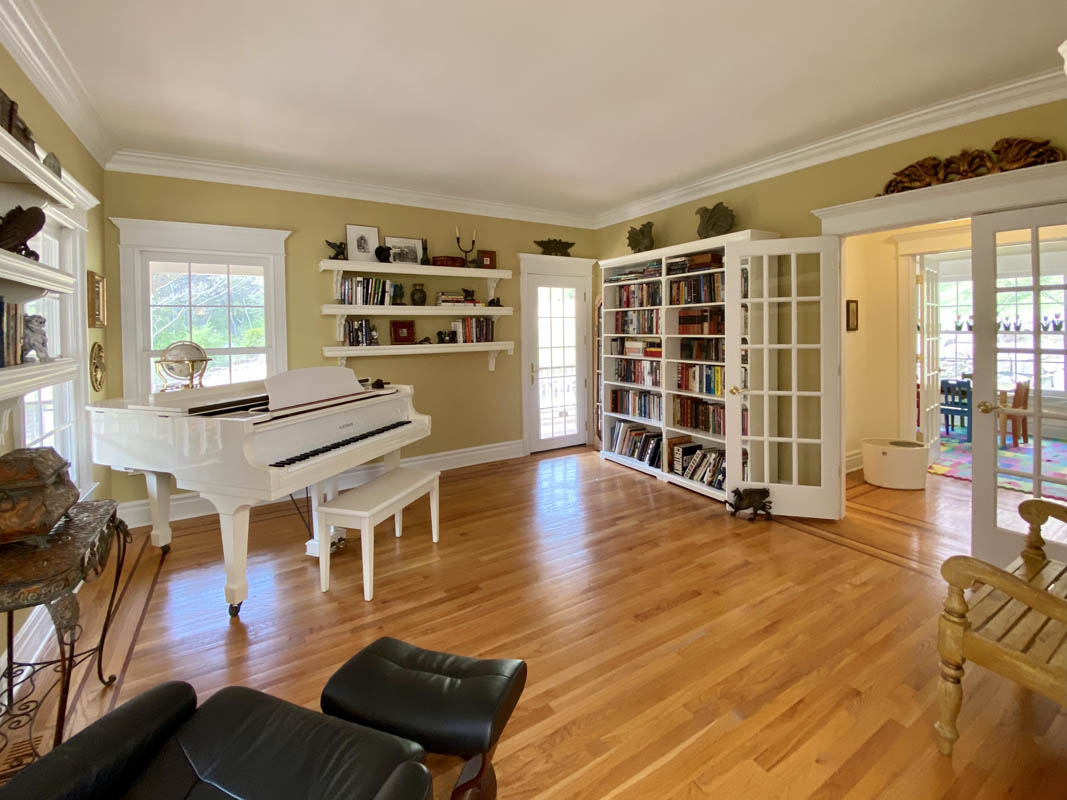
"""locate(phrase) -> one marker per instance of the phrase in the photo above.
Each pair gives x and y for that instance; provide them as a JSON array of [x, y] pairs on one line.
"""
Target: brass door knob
[[734, 390], [986, 407]]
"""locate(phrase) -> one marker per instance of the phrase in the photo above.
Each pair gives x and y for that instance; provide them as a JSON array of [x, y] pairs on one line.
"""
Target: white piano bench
[[365, 506]]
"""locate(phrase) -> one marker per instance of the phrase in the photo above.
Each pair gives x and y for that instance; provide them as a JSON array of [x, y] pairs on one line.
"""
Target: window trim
[[139, 238]]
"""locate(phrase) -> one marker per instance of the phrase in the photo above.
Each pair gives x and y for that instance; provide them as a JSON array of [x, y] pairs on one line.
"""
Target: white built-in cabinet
[[740, 353]]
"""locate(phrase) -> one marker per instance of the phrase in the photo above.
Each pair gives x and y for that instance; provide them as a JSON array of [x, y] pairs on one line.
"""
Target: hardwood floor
[[674, 652]]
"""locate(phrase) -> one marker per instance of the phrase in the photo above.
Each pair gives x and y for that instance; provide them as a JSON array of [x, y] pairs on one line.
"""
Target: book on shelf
[[702, 321], [640, 294], [698, 289], [633, 440], [633, 272], [707, 466], [633, 347], [10, 334], [474, 329], [703, 378], [674, 447], [696, 262], [643, 322], [359, 290], [702, 349], [646, 373], [636, 403], [699, 415]]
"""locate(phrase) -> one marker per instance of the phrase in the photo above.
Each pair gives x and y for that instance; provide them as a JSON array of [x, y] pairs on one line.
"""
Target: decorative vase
[[418, 295]]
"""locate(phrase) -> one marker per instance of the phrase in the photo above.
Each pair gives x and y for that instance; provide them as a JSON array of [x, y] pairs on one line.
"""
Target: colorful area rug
[[955, 462]]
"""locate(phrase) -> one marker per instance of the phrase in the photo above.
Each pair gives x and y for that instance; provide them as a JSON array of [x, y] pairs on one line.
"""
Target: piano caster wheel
[[235, 609], [164, 550]]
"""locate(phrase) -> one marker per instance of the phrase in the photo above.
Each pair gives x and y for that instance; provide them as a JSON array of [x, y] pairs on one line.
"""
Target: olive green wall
[[470, 406]]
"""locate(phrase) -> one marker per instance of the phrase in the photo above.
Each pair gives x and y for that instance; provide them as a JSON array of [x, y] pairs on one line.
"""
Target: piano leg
[[233, 523], [391, 460], [158, 485], [325, 491]]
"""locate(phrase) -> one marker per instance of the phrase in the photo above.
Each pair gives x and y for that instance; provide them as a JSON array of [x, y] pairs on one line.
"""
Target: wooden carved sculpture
[[640, 239], [1006, 155], [554, 247], [756, 499], [714, 221]]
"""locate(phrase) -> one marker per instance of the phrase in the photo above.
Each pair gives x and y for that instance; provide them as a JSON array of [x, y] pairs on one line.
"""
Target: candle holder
[[467, 250]]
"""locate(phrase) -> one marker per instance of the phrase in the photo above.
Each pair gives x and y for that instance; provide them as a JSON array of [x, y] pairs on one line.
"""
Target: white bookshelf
[[342, 311], [666, 335]]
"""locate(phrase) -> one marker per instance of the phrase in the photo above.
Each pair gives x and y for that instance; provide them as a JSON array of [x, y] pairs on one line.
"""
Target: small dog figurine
[[756, 499]]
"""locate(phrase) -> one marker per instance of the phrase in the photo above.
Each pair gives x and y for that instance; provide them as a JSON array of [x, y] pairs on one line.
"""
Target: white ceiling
[[578, 107]]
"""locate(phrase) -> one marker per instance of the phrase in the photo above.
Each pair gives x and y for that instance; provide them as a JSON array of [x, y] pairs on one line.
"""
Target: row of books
[[364, 291], [359, 332], [698, 289], [703, 465], [646, 373], [702, 321], [636, 403], [702, 349], [474, 329], [700, 415], [635, 441], [700, 378], [650, 269], [697, 262], [643, 348], [10, 334], [636, 322], [640, 294]]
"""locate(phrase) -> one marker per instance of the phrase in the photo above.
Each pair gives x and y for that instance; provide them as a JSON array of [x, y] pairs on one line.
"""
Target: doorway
[[555, 322]]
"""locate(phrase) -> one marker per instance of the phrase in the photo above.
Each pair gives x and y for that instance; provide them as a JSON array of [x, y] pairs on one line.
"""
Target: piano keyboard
[[301, 458]]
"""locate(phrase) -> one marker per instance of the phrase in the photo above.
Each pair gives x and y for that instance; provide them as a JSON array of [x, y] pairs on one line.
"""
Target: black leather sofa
[[239, 744]]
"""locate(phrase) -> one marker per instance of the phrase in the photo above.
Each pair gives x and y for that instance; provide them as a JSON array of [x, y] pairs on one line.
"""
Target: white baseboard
[[191, 504], [853, 460]]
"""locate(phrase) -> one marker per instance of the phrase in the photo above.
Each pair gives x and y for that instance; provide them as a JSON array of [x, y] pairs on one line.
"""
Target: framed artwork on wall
[[404, 251], [402, 331], [852, 315], [96, 289], [362, 239]]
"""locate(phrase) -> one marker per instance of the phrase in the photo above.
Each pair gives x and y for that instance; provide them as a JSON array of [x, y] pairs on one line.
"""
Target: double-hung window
[[219, 286]]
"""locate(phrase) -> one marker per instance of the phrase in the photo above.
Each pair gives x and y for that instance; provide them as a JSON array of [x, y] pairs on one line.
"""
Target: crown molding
[[1044, 87], [198, 169], [35, 49]]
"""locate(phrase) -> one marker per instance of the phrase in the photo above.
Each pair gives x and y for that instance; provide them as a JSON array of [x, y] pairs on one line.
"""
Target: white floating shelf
[[22, 379], [341, 353], [346, 309], [19, 166], [392, 268], [23, 279]]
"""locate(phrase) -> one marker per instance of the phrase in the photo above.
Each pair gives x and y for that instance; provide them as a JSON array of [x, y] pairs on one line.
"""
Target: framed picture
[[852, 315], [96, 288], [362, 239], [405, 251], [487, 259], [402, 331]]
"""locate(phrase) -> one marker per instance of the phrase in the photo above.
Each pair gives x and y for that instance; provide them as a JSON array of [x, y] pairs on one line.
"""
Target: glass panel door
[[783, 368], [1020, 447], [929, 361], [557, 382]]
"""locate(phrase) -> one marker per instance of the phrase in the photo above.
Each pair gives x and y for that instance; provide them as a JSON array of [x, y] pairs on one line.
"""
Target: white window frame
[[141, 240]]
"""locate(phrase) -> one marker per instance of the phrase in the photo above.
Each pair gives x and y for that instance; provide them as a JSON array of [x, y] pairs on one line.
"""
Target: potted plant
[[1057, 322], [970, 322], [959, 323]]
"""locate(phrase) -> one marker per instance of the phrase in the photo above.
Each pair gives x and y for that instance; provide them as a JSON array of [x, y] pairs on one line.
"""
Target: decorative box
[[35, 493], [449, 261]]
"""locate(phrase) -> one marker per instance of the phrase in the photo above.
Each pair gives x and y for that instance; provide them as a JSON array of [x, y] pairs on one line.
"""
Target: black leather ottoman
[[447, 703]]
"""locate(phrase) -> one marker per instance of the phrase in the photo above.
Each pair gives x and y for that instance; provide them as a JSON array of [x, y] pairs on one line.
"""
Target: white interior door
[[928, 363], [556, 318], [1020, 284], [784, 407]]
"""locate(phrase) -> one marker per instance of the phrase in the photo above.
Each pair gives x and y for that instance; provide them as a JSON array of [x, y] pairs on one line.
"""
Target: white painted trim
[[556, 265], [853, 460], [190, 504], [26, 35], [998, 192], [138, 237], [1063, 54], [1043, 87], [201, 169], [193, 236]]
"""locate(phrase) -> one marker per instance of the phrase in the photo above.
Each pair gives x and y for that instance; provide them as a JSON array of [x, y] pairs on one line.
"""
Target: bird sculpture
[[640, 239], [714, 221]]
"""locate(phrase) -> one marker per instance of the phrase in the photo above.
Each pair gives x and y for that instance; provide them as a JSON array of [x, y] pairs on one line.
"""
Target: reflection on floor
[[955, 462]]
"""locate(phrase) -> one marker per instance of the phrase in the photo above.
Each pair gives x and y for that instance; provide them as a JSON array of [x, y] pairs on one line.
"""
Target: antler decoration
[[1007, 155]]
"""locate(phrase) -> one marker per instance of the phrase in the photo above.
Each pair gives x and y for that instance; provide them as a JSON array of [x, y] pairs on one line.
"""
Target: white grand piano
[[254, 442]]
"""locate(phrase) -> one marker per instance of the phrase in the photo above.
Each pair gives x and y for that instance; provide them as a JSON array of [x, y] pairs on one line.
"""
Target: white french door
[[784, 372], [1020, 284], [556, 319], [928, 362]]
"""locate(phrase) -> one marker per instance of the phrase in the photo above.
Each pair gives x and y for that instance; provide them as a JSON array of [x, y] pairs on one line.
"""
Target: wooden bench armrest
[[964, 571]]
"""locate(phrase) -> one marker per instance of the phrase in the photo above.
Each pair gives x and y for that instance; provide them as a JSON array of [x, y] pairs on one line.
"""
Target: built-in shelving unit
[[23, 172], [643, 311], [344, 310]]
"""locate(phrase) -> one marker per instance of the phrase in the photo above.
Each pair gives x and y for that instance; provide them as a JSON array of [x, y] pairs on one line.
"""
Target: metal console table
[[75, 551]]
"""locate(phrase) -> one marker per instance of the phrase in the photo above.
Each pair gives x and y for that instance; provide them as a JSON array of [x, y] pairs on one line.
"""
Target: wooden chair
[[956, 402], [1015, 624], [1020, 402]]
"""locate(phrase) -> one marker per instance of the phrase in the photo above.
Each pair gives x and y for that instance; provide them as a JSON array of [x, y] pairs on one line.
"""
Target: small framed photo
[[852, 315], [487, 259], [362, 239], [404, 251], [96, 288], [402, 331]]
